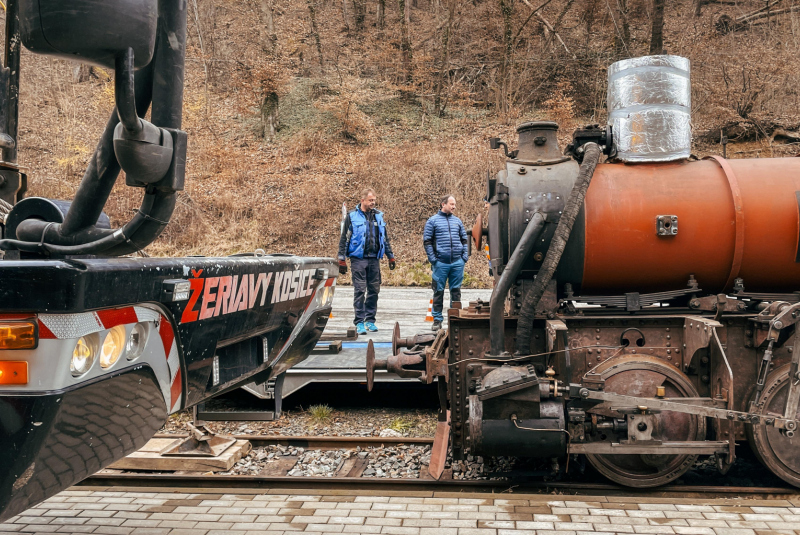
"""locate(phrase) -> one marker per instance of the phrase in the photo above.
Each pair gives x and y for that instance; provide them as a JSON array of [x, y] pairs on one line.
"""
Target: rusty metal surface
[[777, 451], [441, 441], [640, 376], [623, 200]]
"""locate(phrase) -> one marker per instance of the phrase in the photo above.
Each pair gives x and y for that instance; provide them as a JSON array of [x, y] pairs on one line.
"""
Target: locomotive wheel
[[636, 375], [776, 451]]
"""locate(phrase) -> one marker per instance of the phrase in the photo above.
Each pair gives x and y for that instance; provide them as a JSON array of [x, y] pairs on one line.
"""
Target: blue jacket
[[445, 239], [364, 235]]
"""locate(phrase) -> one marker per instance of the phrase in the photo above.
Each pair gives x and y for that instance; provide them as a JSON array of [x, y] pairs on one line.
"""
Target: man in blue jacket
[[364, 241], [445, 241]]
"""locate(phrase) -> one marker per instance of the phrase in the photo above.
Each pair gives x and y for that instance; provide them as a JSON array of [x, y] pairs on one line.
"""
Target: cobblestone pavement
[[398, 513]]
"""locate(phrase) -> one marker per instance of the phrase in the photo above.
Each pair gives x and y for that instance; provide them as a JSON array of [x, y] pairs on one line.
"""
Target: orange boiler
[[734, 219]]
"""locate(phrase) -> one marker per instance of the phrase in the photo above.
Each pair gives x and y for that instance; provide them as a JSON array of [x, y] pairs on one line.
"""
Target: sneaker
[[371, 327], [360, 329], [436, 326]]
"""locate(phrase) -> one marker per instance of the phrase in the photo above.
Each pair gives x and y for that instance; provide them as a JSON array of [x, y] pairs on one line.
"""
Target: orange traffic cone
[[429, 317]]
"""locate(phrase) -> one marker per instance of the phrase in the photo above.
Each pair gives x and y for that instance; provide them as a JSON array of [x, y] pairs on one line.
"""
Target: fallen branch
[[549, 27], [726, 24]]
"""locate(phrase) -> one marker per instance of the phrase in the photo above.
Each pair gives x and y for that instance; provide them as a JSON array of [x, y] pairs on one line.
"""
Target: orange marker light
[[13, 373], [18, 334]]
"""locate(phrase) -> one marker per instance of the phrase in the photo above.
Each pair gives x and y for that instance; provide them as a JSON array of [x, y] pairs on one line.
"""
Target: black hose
[[527, 312], [103, 169], [125, 94], [497, 330]]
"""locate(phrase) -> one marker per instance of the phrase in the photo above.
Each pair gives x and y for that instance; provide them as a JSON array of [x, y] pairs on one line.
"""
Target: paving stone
[[608, 528], [421, 523], [630, 521], [383, 522], [360, 529], [496, 524], [653, 529], [476, 531], [592, 519], [438, 531], [450, 523], [403, 514], [76, 529], [112, 530], [396, 530], [684, 514], [331, 528], [693, 530]]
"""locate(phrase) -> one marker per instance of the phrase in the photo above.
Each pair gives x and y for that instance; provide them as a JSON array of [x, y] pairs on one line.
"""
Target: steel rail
[[153, 481], [320, 441]]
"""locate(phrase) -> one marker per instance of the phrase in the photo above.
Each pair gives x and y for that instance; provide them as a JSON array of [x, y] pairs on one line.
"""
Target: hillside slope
[[404, 107]]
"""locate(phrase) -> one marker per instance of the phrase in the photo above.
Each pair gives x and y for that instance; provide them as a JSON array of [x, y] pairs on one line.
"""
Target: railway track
[[350, 478]]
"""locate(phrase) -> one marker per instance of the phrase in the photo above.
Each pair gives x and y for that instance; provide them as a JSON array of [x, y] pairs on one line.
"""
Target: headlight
[[112, 346], [136, 342], [82, 356], [327, 295]]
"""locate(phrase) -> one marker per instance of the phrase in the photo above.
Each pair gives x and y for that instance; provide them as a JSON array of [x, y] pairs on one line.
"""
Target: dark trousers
[[366, 285]]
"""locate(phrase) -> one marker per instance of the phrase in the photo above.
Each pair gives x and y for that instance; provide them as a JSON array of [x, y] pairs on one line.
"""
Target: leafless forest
[[292, 106]]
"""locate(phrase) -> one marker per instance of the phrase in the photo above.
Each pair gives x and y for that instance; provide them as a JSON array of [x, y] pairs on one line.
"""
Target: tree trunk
[[312, 13], [359, 14], [405, 40], [271, 38], [381, 14], [82, 73], [507, 11], [345, 16], [657, 32], [269, 115], [440, 103], [622, 33]]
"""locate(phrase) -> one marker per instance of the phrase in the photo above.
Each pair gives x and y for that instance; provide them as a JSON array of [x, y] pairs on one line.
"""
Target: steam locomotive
[[645, 308]]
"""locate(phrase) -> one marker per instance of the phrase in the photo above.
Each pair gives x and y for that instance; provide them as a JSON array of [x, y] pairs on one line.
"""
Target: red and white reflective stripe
[[173, 361], [70, 326], [66, 326]]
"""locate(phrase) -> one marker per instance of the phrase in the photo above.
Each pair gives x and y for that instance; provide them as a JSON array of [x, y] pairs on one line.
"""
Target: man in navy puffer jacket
[[445, 241]]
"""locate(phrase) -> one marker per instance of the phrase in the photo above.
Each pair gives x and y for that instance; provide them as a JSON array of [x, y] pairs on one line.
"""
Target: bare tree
[[405, 39], [507, 12], [270, 39], [269, 115], [657, 31], [359, 14], [440, 101], [380, 15], [345, 16], [312, 14], [622, 30]]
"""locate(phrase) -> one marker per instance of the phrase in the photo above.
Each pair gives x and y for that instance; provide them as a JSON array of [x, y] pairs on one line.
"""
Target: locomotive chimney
[[538, 141], [649, 108]]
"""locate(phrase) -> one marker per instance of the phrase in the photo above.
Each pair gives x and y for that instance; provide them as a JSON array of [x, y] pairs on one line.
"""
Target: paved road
[[408, 306], [80, 510], [405, 305]]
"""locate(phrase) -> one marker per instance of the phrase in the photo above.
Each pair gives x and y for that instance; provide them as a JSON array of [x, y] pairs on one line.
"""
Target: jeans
[[443, 274], [366, 285]]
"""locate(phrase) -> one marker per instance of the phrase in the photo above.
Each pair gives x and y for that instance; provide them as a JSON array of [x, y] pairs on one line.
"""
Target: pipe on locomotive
[[591, 156], [507, 278], [159, 82]]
